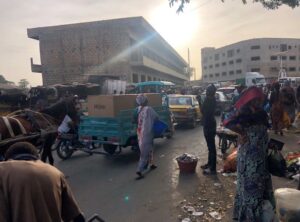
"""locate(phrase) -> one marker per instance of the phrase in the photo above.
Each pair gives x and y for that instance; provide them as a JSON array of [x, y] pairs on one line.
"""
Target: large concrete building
[[128, 48], [255, 55]]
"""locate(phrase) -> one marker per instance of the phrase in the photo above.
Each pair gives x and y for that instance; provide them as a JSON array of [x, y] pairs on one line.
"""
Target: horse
[[46, 122]]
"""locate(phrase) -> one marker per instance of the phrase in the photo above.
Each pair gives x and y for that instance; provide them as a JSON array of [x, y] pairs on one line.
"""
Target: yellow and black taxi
[[185, 108]]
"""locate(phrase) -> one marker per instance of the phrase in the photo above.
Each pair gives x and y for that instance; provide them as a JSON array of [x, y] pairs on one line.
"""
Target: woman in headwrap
[[145, 121], [254, 185], [276, 109]]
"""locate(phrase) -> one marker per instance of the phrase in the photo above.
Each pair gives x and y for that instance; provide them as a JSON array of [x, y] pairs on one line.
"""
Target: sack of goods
[[287, 204], [230, 162]]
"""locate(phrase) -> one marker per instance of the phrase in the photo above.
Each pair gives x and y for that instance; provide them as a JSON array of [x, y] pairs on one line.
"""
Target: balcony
[[149, 63], [34, 67]]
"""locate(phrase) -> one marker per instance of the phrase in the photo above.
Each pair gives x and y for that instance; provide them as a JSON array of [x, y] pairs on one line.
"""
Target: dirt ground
[[216, 193]]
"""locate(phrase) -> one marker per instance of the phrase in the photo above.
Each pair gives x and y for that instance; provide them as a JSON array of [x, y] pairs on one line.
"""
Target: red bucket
[[187, 167]]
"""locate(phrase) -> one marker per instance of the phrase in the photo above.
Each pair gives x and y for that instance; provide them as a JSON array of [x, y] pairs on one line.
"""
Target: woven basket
[[187, 167]]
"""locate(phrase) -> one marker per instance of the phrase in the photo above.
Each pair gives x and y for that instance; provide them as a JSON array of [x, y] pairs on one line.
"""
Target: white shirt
[[64, 126]]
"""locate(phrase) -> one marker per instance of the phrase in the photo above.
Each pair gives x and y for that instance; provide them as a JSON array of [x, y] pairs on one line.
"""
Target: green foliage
[[2, 79], [23, 83], [268, 4]]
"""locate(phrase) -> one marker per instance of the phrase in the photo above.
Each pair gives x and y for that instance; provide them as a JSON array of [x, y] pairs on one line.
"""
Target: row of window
[[231, 62], [216, 75], [230, 53], [254, 58]]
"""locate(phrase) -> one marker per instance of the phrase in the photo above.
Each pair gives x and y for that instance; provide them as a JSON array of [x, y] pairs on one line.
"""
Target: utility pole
[[189, 65]]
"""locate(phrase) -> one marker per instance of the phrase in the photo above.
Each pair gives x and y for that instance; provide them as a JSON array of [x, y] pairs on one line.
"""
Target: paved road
[[107, 186]]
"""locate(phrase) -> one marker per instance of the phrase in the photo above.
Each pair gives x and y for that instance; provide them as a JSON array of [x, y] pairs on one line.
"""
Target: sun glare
[[177, 29]]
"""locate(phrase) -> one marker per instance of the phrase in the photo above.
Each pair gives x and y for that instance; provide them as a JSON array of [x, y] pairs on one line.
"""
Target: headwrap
[[141, 99], [211, 90], [248, 95]]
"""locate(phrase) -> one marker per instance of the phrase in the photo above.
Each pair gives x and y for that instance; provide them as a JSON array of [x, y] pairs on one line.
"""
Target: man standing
[[209, 129], [31, 190], [289, 100]]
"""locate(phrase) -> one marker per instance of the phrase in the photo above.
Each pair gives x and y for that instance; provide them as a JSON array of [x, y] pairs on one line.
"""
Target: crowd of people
[[251, 107]]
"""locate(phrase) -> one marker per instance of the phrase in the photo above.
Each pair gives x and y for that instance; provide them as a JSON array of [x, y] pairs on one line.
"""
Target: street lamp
[[282, 71]]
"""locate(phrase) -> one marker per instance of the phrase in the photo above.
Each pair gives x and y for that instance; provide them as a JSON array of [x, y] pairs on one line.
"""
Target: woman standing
[[254, 185], [145, 121]]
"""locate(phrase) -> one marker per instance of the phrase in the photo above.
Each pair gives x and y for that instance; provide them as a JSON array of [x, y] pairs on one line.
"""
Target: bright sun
[[177, 29]]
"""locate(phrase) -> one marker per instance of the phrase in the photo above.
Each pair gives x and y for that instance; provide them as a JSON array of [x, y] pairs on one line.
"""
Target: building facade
[[127, 48], [263, 55]]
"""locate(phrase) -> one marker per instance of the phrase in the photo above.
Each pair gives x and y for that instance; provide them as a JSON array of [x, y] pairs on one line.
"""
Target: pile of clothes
[[187, 158], [293, 165]]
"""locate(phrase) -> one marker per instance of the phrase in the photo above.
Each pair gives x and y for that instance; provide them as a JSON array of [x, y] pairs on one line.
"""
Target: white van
[[252, 79]]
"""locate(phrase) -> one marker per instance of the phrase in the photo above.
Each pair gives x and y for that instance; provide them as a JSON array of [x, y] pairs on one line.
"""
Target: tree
[[23, 83], [268, 4]]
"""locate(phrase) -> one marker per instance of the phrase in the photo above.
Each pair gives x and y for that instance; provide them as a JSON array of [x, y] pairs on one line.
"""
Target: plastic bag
[[276, 163], [159, 128]]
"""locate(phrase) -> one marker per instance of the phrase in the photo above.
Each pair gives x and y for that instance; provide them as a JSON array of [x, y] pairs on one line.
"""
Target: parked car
[[185, 108], [228, 91], [223, 102]]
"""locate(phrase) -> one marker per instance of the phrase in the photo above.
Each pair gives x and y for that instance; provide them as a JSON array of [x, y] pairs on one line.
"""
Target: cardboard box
[[111, 105]]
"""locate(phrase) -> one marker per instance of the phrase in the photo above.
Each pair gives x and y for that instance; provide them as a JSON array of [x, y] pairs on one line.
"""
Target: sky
[[204, 23]]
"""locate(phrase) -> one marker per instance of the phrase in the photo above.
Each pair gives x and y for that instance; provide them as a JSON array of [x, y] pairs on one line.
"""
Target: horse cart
[[110, 133]]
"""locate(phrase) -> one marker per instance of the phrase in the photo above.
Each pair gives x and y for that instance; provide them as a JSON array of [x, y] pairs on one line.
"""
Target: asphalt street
[[107, 185]]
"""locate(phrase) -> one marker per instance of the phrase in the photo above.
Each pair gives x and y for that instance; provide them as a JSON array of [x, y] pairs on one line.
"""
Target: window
[[135, 78], [283, 57], [292, 58], [217, 74], [223, 54], [230, 62], [238, 71], [210, 66], [283, 47], [224, 73], [205, 76], [255, 58], [238, 51], [224, 63], [210, 57], [143, 78], [149, 78], [273, 58], [217, 65], [255, 70], [217, 57], [205, 67], [292, 69], [238, 60], [205, 60], [231, 73], [210, 75], [290, 47], [230, 53], [255, 47]]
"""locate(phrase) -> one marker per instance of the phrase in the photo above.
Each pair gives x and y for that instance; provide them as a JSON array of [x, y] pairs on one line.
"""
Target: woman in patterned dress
[[254, 185]]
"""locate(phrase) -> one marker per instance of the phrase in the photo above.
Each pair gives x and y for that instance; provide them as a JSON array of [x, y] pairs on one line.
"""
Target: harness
[[9, 127]]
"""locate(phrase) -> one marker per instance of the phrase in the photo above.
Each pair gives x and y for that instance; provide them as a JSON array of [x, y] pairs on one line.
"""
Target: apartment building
[[127, 48], [264, 55]]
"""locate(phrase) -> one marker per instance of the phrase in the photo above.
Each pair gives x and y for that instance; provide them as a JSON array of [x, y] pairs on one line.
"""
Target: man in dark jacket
[[209, 129]]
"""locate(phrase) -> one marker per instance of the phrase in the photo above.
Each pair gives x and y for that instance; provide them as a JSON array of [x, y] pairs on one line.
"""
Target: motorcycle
[[66, 144]]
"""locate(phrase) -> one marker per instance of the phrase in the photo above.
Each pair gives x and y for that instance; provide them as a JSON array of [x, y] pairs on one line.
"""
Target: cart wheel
[[63, 151], [109, 148], [224, 145]]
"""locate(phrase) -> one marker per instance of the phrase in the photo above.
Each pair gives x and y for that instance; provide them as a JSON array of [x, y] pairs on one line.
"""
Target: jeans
[[209, 134]]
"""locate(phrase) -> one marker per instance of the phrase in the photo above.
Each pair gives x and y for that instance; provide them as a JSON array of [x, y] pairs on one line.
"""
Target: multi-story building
[[127, 48], [263, 55]]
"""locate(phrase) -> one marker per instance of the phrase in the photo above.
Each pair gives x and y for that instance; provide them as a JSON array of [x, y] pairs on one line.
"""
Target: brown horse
[[45, 122]]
